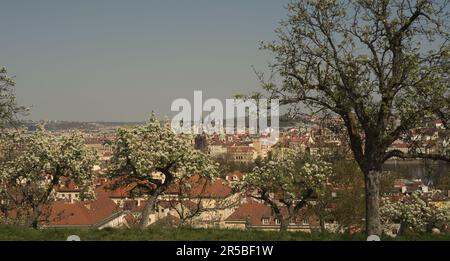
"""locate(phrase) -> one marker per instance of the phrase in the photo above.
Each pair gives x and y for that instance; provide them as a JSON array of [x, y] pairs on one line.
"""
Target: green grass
[[11, 233]]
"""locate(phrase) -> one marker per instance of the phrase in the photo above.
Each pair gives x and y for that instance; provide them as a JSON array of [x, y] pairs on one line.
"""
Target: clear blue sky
[[119, 60]]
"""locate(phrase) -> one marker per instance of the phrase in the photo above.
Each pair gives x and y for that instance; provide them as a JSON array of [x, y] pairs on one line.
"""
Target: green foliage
[[348, 182]]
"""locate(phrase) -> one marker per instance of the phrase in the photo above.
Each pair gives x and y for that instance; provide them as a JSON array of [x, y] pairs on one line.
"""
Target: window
[[265, 221]]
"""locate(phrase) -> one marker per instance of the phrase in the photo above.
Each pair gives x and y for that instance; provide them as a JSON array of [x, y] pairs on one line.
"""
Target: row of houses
[[246, 148], [217, 205]]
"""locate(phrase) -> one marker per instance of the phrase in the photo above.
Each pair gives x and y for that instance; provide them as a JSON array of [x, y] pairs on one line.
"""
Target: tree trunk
[[34, 223], [284, 224], [151, 202], [149, 207], [322, 225], [5, 214], [41, 203], [372, 187], [402, 229], [34, 220]]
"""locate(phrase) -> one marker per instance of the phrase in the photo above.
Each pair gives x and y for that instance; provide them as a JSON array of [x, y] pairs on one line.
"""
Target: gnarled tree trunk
[[151, 202], [322, 225], [284, 223], [149, 207], [372, 189]]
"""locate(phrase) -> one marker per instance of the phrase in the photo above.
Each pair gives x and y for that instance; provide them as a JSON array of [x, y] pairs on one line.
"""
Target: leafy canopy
[[142, 151], [33, 164], [290, 181], [381, 65]]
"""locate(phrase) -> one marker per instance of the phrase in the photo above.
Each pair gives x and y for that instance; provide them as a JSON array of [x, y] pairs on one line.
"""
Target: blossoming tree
[[414, 213], [35, 163], [380, 66], [154, 157], [8, 106], [287, 184]]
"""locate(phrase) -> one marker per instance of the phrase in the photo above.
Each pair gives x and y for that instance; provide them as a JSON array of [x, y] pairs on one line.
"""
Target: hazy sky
[[119, 60]]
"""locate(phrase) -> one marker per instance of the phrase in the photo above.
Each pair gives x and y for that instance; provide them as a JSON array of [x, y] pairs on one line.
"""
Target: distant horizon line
[[113, 121]]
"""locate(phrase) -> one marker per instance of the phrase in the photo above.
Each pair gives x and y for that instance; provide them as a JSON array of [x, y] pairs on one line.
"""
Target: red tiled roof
[[80, 213], [216, 189], [254, 212], [131, 220], [114, 188], [64, 213]]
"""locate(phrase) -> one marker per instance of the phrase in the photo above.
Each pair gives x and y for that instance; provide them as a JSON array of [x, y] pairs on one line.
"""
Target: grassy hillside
[[181, 234]]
